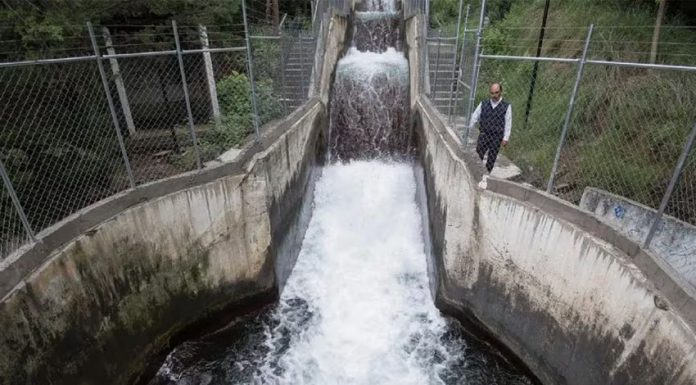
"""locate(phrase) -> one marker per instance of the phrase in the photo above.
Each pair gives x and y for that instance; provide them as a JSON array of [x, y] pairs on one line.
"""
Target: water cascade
[[357, 308], [369, 109]]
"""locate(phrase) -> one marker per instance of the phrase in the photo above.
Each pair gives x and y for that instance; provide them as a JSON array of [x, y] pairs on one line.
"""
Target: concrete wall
[[331, 45], [414, 42], [107, 288], [674, 241], [578, 302]]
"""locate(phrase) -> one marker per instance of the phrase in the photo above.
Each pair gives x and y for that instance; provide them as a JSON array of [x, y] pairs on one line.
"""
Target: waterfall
[[369, 98], [357, 308], [369, 110]]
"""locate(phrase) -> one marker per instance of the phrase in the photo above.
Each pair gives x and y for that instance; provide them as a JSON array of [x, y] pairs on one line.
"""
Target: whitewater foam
[[367, 316]]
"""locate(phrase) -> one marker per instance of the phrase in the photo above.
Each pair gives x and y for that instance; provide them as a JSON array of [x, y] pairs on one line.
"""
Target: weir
[[357, 307], [336, 250]]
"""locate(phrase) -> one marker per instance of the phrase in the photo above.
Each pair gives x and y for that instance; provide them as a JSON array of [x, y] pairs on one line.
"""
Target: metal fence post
[[672, 184], [184, 84], [305, 65], [474, 71], [456, 78], [209, 73], [454, 55], [110, 102], [437, 63], [15, 201], [569, 113], [283, 64], [250, 69], [118, 80]]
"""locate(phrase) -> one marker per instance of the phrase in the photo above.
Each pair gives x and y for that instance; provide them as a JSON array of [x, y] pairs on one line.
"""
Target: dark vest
[[493, 119]]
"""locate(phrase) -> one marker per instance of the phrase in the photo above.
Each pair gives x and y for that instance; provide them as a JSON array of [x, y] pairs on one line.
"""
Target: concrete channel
[[111, 286]]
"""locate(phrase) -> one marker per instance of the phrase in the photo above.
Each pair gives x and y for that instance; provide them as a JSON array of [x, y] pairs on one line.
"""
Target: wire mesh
[[458, 108], [682, 203], [59, 143], [442, 57], [58, 140], [629, 124], [35, 45], [532, 145], [270, 73], [414, 7], [233, 91], [12, 234], [156, 100], [628, 131]]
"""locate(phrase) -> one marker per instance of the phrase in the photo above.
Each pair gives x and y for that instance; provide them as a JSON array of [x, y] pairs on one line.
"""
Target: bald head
[[496, 91]]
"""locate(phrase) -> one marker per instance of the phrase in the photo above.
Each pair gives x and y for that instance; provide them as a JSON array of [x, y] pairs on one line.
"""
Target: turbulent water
[[356, 309], [369, 106], [377, 31], [369, 98]]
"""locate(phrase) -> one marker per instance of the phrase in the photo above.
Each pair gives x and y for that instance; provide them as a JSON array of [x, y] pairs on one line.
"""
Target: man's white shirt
[[508, 117]]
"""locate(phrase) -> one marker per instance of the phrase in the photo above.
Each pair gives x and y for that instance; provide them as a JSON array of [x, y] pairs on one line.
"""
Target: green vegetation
[[57, 139], [234, 96], [629, 125]]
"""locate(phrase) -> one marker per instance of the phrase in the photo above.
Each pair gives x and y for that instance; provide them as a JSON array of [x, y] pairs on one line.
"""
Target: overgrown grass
[[629, 125]]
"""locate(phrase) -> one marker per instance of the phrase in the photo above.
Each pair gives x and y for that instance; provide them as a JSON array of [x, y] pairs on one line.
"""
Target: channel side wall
[[106, 289], [674, 241], [577, 301]]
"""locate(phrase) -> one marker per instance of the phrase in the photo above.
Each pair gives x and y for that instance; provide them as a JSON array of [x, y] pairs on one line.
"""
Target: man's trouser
[[489, 141]]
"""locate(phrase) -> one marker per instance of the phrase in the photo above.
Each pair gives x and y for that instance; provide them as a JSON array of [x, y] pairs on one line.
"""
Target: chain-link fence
[[593, 107], [415, 7], [130, 104]]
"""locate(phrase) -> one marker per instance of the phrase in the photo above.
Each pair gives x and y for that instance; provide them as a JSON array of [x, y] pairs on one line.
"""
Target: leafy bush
[[234, 96]]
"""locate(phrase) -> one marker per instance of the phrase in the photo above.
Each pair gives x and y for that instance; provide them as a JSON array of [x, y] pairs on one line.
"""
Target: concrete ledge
[[20, 264], [674, 241], [109, 287], [668, 281], [577, 301]]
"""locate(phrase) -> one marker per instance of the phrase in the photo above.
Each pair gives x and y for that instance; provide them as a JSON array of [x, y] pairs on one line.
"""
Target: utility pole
[[532, 85]]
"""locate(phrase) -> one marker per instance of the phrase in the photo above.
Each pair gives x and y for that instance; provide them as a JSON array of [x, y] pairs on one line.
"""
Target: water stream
[[357, 308]]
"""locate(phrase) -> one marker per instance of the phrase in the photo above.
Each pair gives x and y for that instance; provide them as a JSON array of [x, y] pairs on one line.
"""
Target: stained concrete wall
[[674, 241], [106, 289], [149, 262], [333, 37], [415, 33], [578, 302]]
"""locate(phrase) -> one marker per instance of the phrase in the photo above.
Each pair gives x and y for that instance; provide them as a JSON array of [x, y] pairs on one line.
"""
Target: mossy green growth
[[97, 319]]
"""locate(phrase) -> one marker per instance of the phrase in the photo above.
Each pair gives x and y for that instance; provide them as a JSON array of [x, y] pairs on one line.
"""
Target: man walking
[[495, 118]]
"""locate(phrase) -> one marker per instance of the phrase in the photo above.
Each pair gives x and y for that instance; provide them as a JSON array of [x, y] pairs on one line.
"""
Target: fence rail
[[77, 129], [589, 121]]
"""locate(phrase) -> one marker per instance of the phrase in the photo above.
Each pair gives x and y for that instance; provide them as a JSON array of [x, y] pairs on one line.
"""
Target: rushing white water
[[367, 315], [369, 107], [357, 307], [381, 5], [368, 64]]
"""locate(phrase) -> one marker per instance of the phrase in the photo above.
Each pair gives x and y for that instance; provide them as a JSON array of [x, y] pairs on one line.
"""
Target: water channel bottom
[[356, 309]]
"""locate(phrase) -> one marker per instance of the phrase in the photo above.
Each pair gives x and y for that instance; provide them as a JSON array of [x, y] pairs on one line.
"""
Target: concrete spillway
[[115, 286], [369, 106], [357, 307]]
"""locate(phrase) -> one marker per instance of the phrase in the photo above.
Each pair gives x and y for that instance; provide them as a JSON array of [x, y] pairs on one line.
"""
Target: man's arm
[[508, 124], [475, 116]]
